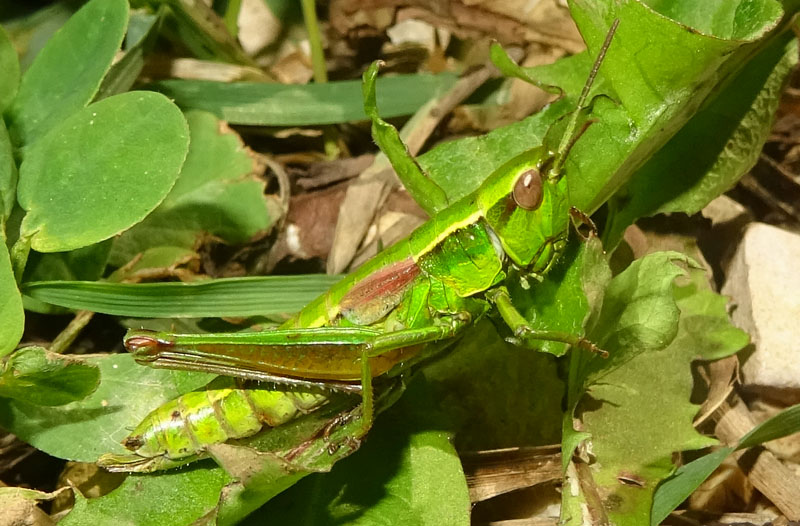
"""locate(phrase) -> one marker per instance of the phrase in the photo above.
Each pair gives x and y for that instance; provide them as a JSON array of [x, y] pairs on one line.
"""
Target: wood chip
[[494, 472], [769, 475]]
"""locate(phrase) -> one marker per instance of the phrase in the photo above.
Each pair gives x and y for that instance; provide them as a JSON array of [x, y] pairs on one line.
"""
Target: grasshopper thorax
[[526, 205]]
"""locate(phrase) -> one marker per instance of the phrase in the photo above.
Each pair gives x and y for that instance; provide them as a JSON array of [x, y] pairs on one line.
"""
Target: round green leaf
[[218, 170], [85, 429], [38, 376], [67, 72], [186, 496], [101, 171]]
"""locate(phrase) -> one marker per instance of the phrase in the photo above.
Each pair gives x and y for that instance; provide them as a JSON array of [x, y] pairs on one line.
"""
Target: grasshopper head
[[527, 206], [526, 201]]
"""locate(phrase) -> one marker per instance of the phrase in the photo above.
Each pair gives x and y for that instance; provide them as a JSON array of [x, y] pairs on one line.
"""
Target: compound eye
[[528, 190]]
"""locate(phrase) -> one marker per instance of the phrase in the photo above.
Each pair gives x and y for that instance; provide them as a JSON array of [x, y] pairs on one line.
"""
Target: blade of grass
[[688, 477], [266, 295], [263, 104]]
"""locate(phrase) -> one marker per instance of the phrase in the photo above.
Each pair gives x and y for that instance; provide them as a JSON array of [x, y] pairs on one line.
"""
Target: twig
[[71, 331]]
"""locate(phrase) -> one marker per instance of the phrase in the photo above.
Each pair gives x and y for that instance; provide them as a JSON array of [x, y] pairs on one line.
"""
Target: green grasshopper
[[409, 302]]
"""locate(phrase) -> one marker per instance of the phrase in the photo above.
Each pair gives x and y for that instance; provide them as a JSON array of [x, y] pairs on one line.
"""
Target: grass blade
[[688, 477], [266, 295], [262, 104]]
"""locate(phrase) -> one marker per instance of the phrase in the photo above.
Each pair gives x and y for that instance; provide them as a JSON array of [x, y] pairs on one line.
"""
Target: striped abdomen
[[180, 430]]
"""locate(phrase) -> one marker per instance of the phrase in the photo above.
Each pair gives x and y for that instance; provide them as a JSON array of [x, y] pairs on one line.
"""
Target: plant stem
[[231, 15], [319, 69], [315, 41], [68, 335]]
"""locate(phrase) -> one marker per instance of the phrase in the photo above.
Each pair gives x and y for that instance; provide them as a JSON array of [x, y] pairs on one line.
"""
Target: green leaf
[[733, 20], [10, 305], [155, 259], [262, 104], [594, 282], [67, 72], [637, 405], [684, 67], [705, 324], [176, 497], [266, 295], [34, 28], [100, 171], [85, 263], [642, 108], [670, 82], [85, 429], [230, 15], [494, 394], [217, 193], [8, 178], [638, 314], [732, 129], [559, 302], [37, 376], [9, 65], [509, 68]]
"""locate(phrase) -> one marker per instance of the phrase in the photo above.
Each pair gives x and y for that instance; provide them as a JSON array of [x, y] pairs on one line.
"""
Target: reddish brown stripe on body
[[383, 287]]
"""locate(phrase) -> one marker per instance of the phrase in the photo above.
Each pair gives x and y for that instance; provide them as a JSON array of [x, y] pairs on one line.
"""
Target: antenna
[[569, 137]]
